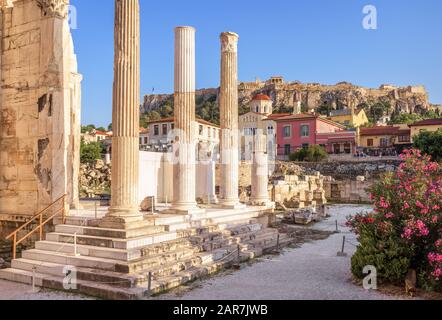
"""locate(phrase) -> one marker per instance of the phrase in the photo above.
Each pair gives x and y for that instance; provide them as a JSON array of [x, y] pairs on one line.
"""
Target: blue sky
[[307, 40]]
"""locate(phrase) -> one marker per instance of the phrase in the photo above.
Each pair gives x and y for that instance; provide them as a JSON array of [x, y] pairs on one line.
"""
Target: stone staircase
[[116, 264]]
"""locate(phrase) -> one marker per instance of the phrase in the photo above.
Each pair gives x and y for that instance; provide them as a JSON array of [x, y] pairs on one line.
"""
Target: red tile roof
[[298, 116], [101, 133], [275, 116], [429, 122], [383, 130], [303, 116], [262, 97]]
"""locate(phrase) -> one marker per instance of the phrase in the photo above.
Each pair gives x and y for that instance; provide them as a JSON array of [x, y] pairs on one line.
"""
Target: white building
[[260, 117], [159, 138]]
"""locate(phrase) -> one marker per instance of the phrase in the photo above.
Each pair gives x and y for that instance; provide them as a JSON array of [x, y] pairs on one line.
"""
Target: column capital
[[54, 8], [189, 28], [229, 42]]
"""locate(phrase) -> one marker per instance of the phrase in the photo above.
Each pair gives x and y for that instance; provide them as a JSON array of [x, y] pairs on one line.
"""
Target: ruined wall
[[39, 108]]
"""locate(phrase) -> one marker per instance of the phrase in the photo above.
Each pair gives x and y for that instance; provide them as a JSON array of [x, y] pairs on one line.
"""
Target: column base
[[211, 200], [120, 219], [184, 209], [226, 204]]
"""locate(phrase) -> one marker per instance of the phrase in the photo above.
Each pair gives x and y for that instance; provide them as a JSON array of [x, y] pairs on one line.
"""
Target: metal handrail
[[41, 224]]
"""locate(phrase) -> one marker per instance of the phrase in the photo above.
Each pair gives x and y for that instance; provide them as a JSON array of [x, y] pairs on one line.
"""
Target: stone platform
[[116, 263]]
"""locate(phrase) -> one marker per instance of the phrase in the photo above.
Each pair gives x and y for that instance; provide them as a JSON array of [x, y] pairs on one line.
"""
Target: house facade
[[349, 117], [430, 125], [384, 140], [159, 137], [260, 119], [302, 130]]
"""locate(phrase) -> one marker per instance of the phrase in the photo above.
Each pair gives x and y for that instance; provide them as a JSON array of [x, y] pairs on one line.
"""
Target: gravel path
[[311, 272]]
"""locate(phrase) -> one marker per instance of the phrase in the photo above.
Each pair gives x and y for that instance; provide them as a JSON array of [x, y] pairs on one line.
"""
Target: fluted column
[[185, 137], [260, 172], [125, 110], [229, 120]]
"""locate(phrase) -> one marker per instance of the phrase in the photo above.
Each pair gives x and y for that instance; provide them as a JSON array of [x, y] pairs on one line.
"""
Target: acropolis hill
[[410, 99]]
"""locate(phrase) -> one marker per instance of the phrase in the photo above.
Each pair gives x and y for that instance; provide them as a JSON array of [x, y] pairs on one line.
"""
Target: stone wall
[[39, 108], [348, 190], [342, 170]]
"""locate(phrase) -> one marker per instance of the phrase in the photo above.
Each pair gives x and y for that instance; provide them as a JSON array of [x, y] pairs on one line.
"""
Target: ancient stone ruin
[[39, 108]]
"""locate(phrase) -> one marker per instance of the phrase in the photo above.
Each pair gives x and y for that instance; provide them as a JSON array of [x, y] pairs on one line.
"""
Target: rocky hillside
[[411, 99]]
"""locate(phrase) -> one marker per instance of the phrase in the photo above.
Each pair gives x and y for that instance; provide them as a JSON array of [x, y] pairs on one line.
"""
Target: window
[[156, 130], [370, 143], [384, 142], [305, 146], [347, 122], [172, 126], [164, 129], [201, 130], [404, 139], [287, 149], [257, 109], [145, 140], [287, 131], [305, 130], [141, 142], [347, 148]]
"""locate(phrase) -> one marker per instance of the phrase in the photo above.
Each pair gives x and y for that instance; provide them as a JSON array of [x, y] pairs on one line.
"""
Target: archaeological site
[[249, 187]]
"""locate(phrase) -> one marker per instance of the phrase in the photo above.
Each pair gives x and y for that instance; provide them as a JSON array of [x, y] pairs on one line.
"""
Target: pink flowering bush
[[405, 229]]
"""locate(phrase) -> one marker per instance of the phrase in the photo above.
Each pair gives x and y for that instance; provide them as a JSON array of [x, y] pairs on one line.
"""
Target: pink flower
[[419, 204], [389, 215]]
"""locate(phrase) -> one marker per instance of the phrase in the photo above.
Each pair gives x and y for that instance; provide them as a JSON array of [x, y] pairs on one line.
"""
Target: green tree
[[90, 152], [88, 128], [430, 143], [324, 109], [313, 153], [406, 118]]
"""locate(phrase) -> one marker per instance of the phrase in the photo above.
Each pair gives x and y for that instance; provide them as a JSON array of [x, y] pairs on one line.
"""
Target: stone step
[[125, 260], [115, 243], [234, 218], [99, 290], [166, 219], [77, 221], [91, 251], [177, 226], [174, 267], [71, 260], [109, 233], [157, 261]]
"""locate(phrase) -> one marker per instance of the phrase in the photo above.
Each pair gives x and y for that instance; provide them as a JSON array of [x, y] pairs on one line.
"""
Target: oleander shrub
[[405, 229]]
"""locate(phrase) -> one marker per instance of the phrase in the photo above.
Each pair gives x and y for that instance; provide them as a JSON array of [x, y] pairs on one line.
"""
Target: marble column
[[260, 172], [125, 112], [184, 170], [229, 121]]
